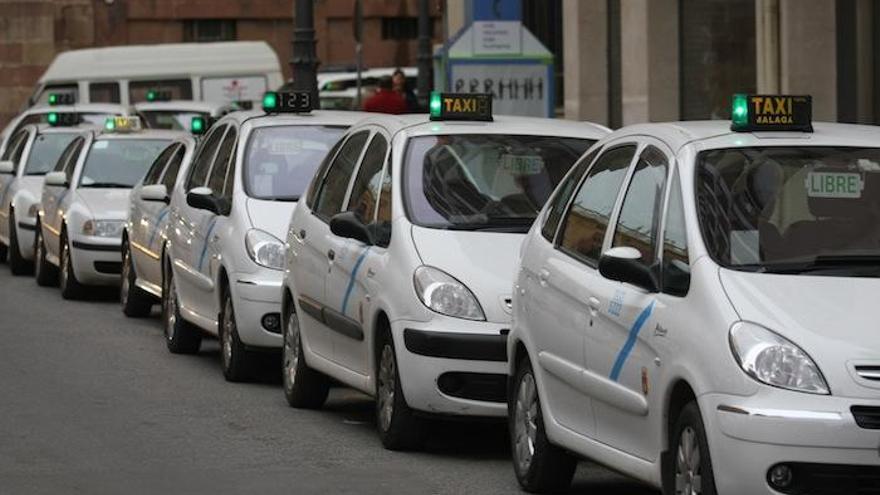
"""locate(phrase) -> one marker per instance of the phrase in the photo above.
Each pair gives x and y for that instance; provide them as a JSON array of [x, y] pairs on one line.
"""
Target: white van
[[224, 72]]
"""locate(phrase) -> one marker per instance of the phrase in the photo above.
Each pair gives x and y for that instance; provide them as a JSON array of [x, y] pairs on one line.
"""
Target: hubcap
[[387, 379], [228, 327], [525, 422], [64, 264], [170, 307], [126, 273], [291, 350], [688, 478], [38, 249]]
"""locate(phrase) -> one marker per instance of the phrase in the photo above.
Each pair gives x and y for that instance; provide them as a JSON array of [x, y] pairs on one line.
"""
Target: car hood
[[109, 204], [270, 216], [831, 318], [486, 262]]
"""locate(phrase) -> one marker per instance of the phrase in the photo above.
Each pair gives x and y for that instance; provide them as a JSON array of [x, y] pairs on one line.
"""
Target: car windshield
[[120, 162], [804, 209], [281, 160], [485, 181], [46, 151], [173, 120]]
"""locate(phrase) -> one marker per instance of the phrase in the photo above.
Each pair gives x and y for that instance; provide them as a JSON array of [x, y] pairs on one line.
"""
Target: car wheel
[[17, 264], [70, 286], [46, 273], [691, 465], [234, 358], [3, 252], [181, 337], [136, 302], [539, 465], [303, 387], [399, 428]]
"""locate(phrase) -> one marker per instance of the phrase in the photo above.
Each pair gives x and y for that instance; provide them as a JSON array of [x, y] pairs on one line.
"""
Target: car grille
[[870, 373], [834, 479], [867, 416]]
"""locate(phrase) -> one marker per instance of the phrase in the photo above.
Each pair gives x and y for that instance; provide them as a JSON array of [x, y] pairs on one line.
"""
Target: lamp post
[[423, 84], [304, 62]]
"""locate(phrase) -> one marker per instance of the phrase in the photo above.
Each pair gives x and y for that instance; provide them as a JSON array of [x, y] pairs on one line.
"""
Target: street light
[[304, 62]]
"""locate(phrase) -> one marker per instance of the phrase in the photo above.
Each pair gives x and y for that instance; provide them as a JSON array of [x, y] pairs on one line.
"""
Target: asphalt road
[[92, 402]]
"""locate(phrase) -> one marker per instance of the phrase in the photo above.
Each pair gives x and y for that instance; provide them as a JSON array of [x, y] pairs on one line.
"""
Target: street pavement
[[91, 402]]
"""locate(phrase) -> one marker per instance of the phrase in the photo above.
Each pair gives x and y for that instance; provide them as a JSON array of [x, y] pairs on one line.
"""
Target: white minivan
[[229, 71]]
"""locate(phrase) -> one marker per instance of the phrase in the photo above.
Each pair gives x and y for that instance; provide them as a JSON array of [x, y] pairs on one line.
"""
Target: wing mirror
[[7, 167], [624, 264], [58, 179], [349, 226], [202, 198], [155, 192]]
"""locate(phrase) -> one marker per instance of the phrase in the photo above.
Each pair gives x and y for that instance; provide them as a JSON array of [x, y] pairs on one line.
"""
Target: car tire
[[399, 428], [181, 336], [304, 388], [690, 466], [45, 273], [70, 286], [136, 302], [17, 264], [3, 252], [539, 465], [237, 362]]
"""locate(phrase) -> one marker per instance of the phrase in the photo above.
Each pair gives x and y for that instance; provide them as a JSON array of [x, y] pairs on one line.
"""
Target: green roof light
[[151, 95], [270, 101], [739, 111], [52, 118], [435, 105], [110, 124], [53, 99], [197, 126]]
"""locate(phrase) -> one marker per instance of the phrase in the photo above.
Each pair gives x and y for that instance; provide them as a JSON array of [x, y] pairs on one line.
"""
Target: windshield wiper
[[284, 198], [107, 185], [825, 263]]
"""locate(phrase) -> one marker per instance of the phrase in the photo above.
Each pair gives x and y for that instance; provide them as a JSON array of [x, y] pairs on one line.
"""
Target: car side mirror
[[202, 198], [349, 226], [7, 167], [624, 264], [155, 192], [56, 179]]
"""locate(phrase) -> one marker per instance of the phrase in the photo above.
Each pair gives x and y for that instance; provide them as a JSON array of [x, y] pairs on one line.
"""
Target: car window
[[15, 145], [639, 219], [176, 89], [158, 165], [204, 157], [173, 168], [69, 163], [45, 152], [335, 184], [104, 92], [562, 196], [587, 219], [318, 179], [217, 179], [382, 226], [365, 191], [119, 163], [676, 264]]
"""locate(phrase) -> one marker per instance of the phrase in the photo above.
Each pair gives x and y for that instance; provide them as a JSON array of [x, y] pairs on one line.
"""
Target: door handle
[[302, 233], [543, 275], [594, 305], [331, 254]]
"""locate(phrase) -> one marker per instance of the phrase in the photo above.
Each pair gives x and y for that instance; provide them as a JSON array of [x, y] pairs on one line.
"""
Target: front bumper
[[812, 434], [96, 260], [451, 366], [254, 296]]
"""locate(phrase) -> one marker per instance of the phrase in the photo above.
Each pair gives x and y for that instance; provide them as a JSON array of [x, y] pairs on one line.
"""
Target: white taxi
[[84, 203], [179, 115], [401, 259], [145, 235], [32, 153], [692, 309], [225, 255]]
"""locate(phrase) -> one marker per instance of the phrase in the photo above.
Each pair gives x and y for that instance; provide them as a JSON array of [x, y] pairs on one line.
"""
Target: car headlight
[[33, 210], [103, 228], [774, 360], [442, 293], [265, 249]]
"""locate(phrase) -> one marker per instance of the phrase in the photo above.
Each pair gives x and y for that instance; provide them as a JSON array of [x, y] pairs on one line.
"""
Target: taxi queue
[[685, 303]]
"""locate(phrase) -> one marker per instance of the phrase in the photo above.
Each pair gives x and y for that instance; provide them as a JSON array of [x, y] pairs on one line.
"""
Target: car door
[[142, 216], [152, 272], [320, 246], [13, 153], [560, 289], [186, 249], [52, 217], [347, 280], [620, 349]]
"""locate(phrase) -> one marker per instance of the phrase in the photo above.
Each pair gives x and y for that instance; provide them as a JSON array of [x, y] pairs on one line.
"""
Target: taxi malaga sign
[[461, 106], [771, 113]]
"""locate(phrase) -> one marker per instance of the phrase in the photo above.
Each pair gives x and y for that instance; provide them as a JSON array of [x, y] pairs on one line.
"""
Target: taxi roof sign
[[461, 106], [158, 95], [198, 125], [287, 102], [62, 119], [750, 113], [61, 99], [122, 124]]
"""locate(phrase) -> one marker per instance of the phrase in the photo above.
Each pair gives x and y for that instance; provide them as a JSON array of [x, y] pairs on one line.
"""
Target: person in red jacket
[[385, 99]]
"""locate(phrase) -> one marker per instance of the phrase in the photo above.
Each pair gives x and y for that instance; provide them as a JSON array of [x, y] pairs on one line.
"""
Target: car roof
[[48, 129], [420, 125], [713, 134], [184, 106], [79, 108], [142, 134], [315, 117]]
